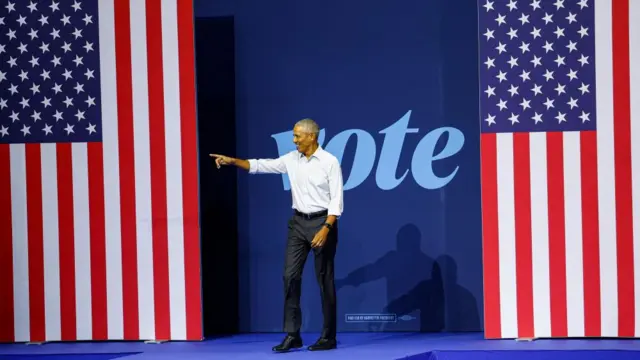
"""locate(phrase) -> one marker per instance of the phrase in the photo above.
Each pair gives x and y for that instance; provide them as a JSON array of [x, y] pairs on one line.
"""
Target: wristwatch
[[329, 226]]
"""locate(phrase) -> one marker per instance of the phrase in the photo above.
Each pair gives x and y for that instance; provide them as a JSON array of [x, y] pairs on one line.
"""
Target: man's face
[[302, 139]]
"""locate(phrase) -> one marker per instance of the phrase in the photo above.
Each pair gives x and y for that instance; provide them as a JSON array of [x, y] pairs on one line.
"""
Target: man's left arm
[[336, 205]]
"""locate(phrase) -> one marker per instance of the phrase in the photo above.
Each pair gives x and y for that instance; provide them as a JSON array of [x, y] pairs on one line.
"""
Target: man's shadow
[[418, 287]]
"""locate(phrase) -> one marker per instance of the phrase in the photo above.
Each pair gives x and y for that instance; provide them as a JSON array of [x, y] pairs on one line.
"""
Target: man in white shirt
[[317, 194]]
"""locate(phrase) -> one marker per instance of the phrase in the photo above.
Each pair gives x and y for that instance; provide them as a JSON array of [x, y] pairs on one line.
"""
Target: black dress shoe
[[289, 342], [324, 344]]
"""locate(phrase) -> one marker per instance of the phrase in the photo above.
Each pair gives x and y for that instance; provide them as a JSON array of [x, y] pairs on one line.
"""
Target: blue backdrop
[[394, 87]]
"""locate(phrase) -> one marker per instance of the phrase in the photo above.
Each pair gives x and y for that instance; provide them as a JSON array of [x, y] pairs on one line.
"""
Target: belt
[[311, 215]]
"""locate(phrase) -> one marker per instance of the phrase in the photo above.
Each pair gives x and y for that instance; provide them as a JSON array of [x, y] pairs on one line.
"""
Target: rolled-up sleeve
[[336, 204], [268, 166]]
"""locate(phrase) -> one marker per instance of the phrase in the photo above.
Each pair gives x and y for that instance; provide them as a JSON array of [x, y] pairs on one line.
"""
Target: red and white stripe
[[561, 212], [102, 239]]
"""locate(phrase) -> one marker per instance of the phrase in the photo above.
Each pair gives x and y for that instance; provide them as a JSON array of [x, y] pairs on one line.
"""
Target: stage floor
[[369, 346]]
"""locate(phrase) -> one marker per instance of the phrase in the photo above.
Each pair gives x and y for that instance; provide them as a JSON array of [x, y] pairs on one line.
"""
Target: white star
[[490, 63], [549, 103], [44, 47], [572, 46], [10, 7], [69, 129], [501, 47], [535, 4], [490, 91], [512, 5], [583, 60], [76, 6], [572, 74], [584, 88], [45, 75], [46, 102], [537, 90], [13, 89], [584, 117], [77, 33], [513, 62], [79, 88], [560, 89], [535, 32], [512, 33], [43, 20], [502, 76], [33, 34], [91, 128], [35, 116], [548, 46], [91, 100], [24, 75], [87, 19], [513, 118], [571, 17], [525, 104], [559, 4], [35, 88], [524, 47], [47, 129], [66, 47], [57, 88], [3, 104], [491, 119], [11, 34], [537, 118], [583, 4], [25, 130], [12, 61], [58, 115], [559, 31], [536, 61], [573, 103], [501, 19], [513, 90], [22, 20], [88, 74], [34, 61], [56, 61], [89, 46], [67, 74], [14, 116], [502, 104], [55, 33], [78, 60], [22, 48], [547, 18], [561, 117], [583, 31], [488, 5], [24, 103], [68, 101], [4, 131], [65, 19], [489, 34], [559, 60], [79, 115], [525, 75], [524, 18], [54, 6]]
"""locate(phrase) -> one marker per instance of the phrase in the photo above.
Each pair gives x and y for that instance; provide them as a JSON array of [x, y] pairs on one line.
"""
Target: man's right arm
[[254, 166]]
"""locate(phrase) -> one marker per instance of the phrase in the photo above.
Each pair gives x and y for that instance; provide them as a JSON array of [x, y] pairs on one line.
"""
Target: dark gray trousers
[[300, 234]]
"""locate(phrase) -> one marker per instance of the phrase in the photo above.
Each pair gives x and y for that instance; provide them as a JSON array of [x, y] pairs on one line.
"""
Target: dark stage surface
[[370, 346]]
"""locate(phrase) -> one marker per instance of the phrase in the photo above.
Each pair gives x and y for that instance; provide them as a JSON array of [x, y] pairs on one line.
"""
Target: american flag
[[98, 173], [560, 155]]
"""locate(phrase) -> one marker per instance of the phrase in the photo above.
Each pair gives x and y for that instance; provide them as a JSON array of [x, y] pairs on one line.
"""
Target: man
[[316, 191]]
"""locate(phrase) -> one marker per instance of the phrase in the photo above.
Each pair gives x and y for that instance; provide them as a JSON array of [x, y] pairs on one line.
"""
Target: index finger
[[215, 155]]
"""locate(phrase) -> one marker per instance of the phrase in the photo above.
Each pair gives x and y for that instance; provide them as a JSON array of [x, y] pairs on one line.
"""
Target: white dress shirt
[[316, 183]]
